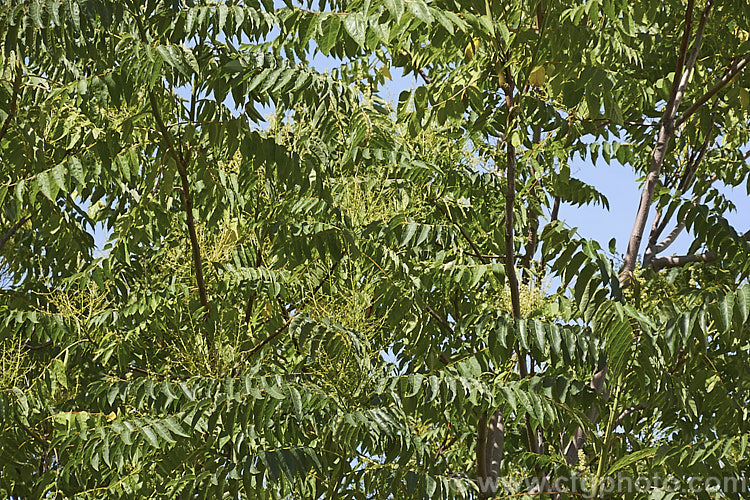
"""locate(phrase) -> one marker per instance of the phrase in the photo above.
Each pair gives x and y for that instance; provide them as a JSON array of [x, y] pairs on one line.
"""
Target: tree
[[356, 300]]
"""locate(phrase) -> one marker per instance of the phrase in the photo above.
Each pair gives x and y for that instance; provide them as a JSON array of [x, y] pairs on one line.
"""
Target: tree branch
[[692, 167], [533, 218], [555, 209], [687, 73], [443, 357], [510, 269], [439, 319], [481, 459], [477, 253], [418, 70], [490, 443], [666, 132], [654, 250], [289, 318], [510, 200], [553, 218], [671, 105], [272, 336], [734, 68], [681, 260], [687, 179], [626, 413], [13, 230], [187, 200], [484, 256], [27, 345]]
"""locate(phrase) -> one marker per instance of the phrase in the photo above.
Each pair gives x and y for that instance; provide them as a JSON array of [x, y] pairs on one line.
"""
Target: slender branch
[[443, 357], [604, 453], [681, 58], [272, 336], [419, 70], [555, 209], [626, 413], [187, 200], [553, 218], [734, 68], [477, 253], [29, 346], [690, 172], [682, 260], [681, 358], [322, 281], [193, 99], [37, 437], [439, 319], [13, 230], [510, 269], [424, 77], [136, 369], [484, 256], [654, 249], [663, 244], [533, 218], [284, 311], [447, 443], [688, 70], [685, 183], [656, 229], [510, 199], [292, 316]]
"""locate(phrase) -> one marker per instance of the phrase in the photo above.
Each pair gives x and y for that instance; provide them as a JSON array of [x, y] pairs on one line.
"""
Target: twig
[[39, 347], [626, 413], [439, 319], [477, 253], [13, 230], [419, 70], [443, 357], [291, 317], [272, 336]]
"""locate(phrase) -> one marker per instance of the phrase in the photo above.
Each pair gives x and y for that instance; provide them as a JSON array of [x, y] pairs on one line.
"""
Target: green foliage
[[322, 305]]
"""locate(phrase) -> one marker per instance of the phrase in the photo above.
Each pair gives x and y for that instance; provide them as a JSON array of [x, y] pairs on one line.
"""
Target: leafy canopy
[[356, 298]]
